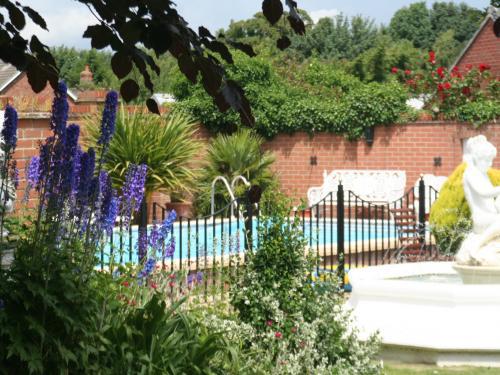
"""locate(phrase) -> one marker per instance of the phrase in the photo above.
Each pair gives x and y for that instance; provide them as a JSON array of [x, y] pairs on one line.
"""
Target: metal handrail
[[229, 188]]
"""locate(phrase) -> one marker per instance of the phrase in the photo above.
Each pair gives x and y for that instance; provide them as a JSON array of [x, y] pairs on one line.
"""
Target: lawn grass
[[411, 369]]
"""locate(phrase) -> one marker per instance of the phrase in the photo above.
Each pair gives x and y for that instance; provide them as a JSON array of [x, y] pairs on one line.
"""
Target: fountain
[[444, 313]]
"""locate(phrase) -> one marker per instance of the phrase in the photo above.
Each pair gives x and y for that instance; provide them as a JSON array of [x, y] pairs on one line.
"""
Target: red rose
[[483, 67], [455, 69], [440, 71], [407, 72], [126, 284], [171, 284], [468, 66], [432, 57], [394, 70], [171, 276], [410, 82], [447, 85], [278, 335], [153, 285], [269, 323], [440, 87], [466, 90]]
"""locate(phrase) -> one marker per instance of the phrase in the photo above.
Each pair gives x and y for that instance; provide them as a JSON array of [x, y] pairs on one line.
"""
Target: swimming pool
[[202, 240]]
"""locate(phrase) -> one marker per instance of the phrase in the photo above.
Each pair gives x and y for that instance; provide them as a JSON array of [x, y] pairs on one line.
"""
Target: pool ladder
[[230, 188]]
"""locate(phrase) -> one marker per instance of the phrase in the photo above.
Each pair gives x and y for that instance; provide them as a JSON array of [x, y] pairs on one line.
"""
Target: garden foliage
[[238, 154], [164, 143], [450, 215], [58, 315], [295, 324], [330, 101], [470, 95]]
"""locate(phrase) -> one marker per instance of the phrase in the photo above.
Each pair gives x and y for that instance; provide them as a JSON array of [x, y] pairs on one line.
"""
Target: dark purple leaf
[[35, 17], [273, 10], [283, 42], [246, 48], [205, 33], [188, 67], [297, 24], [129, 90], [15, 15], [121, 63], [221, 49], [36, 77], [100, 36], [152, 106], [221, 103]]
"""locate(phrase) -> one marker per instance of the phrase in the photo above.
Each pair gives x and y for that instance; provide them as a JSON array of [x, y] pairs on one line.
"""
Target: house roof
[[493, 13], [9, 73]]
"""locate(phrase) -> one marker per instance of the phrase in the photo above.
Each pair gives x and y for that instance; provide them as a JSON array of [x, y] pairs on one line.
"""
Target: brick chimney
[[86, 75]]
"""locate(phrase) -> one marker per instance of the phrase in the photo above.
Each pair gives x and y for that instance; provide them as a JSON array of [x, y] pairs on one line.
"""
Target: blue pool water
[[228, 238]]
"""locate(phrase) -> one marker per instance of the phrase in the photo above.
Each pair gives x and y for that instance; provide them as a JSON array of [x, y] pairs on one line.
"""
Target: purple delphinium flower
[[67, 163], [142, 243], [109, 204], [87, 166], [133, 190], [199, 277], [33, 171], [167, 224], [190, 278], [155, 239], [71, 141], [170, 248], [148, 268], [108, 118], [110, 212], [9, 131], [60, 110]]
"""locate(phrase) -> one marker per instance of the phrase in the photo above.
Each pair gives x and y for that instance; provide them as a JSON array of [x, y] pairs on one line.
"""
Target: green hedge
[[320, 100]]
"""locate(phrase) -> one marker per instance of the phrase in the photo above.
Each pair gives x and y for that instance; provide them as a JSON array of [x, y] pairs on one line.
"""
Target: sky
[[68, 19]]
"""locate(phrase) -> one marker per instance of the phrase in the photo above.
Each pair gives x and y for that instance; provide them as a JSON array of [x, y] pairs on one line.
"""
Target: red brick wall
[[484, 49], [411, 148]]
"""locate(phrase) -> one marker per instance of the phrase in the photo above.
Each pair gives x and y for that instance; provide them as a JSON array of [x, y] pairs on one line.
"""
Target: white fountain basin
[[429, 317]]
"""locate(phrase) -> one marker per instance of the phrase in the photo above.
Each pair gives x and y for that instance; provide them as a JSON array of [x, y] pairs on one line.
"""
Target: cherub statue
[[482, 244]]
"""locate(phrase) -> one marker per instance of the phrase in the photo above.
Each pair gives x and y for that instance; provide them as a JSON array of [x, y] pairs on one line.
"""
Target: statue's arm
[[481, 189]]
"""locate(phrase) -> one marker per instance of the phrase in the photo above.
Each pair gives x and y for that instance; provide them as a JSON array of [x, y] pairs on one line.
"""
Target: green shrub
[[48, 308], [230, 156], [450, 214], [326, 99], [290, 324], [164, 143], [479, 112]]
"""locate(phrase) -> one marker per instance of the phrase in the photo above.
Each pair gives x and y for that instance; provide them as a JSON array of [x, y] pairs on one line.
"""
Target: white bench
[[375, 186]]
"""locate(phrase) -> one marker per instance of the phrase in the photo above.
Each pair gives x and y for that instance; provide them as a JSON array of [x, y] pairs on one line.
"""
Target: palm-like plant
[[230, 156], [166, 144]]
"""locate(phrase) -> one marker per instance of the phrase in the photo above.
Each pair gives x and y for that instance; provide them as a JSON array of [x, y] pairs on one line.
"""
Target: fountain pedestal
[[478, 274], [425, 314]]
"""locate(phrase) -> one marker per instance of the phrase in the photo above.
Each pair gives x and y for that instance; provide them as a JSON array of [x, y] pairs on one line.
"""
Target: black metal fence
[[343, 230]]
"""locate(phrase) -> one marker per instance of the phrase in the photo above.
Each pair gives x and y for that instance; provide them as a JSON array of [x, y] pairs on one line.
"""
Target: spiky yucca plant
[[229, 156], [165, 143]]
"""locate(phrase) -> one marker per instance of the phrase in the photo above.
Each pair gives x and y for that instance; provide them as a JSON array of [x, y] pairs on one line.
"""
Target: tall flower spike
[[60, 107], [9, 131], [108, 118]]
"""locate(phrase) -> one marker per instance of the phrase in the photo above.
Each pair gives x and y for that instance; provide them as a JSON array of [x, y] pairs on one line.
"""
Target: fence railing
[[342, 230]]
